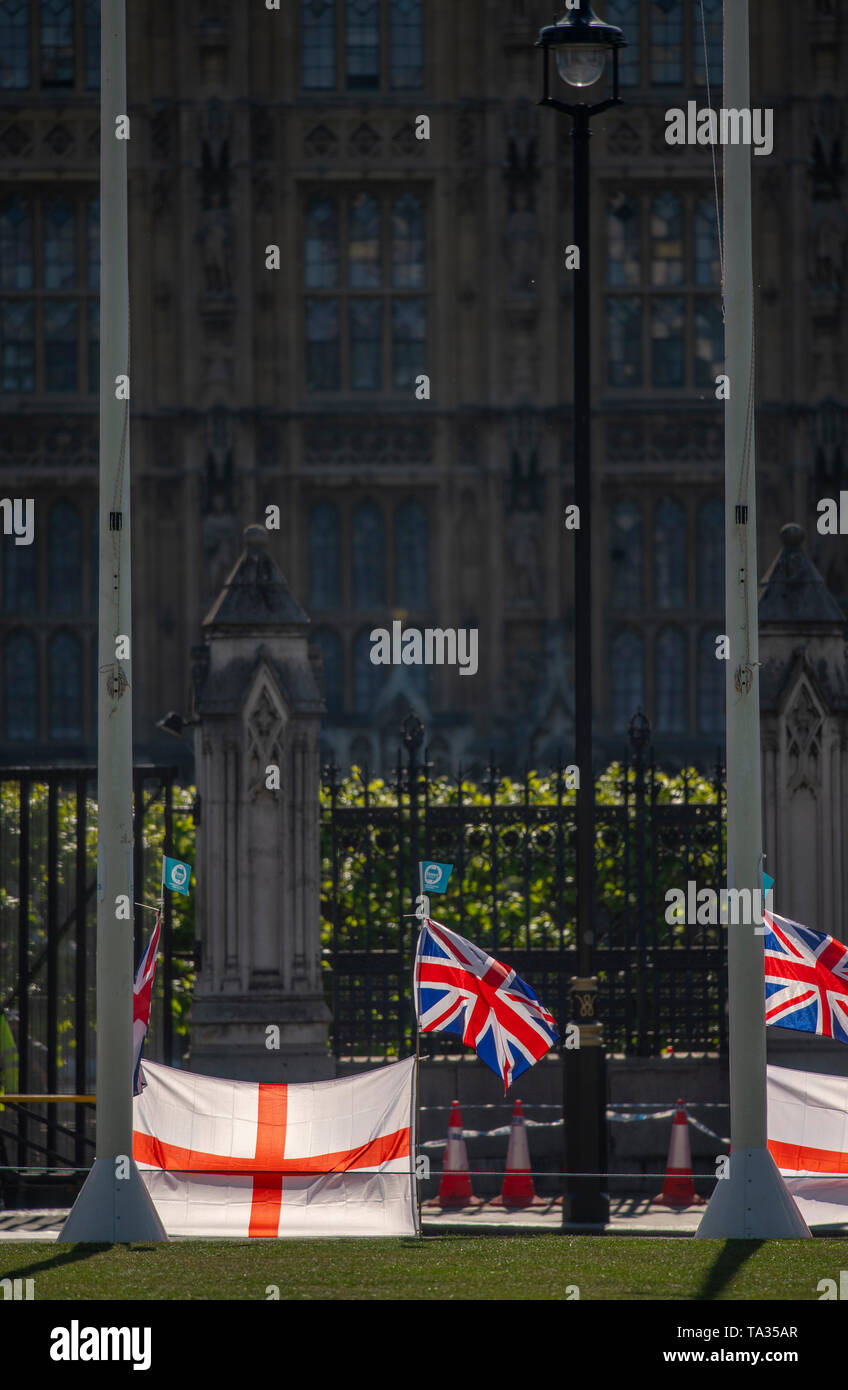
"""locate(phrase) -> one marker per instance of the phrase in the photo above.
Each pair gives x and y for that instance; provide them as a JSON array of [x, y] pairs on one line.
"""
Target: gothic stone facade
[[295, 387]]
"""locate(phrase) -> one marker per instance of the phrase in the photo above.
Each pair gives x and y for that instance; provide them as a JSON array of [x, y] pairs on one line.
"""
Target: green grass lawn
[[437, 1267]]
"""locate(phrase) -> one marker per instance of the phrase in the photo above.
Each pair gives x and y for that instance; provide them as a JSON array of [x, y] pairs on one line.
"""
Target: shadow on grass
[[68, 1257], [727, 1263]]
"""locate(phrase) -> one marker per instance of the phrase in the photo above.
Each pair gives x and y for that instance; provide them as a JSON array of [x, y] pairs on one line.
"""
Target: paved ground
[[630, 1216]]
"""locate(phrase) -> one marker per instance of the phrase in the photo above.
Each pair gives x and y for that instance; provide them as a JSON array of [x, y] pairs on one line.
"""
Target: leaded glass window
[[670, 683], [20, 687], [64, 558], [20, 577], [412, 563], [16, 244], [666, 18], [367, 678], [627, 678], [711, 677], [362, 45], [369, 558], [318, 39], [57, 43], [711, 554], [624, 242], [406, 44], [17, 345], [324, 557], [670, 554], [408, 243], [626, 554], [667, 241], [14, 45], [713, 23], [624, 332], [625, 15], [64, 680], [668, 323]]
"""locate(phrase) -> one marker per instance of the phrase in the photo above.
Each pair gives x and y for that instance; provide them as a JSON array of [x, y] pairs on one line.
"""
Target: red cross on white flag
[[240, 1158]]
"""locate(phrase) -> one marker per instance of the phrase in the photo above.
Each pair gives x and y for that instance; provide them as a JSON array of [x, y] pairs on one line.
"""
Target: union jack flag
[[142, 995], [806, 979], [459, 989]]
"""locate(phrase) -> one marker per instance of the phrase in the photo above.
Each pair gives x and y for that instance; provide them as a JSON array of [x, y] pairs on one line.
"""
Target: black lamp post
[[582, 45]]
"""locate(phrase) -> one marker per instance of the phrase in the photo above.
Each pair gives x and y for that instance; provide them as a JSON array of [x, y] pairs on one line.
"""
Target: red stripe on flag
[[270, 1146], [802, 1156], [172, 1158]]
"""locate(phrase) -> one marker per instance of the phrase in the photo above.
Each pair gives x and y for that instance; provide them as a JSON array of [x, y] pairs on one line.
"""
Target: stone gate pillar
[[257, 872], [804, 714]]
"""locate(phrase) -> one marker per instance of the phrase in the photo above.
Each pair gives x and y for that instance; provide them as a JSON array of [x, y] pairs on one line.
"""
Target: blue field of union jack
[[806, 979], [460, 989]]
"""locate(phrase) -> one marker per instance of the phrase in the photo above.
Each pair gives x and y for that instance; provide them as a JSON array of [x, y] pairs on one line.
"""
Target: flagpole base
[[752, 1203], [111, 1210]]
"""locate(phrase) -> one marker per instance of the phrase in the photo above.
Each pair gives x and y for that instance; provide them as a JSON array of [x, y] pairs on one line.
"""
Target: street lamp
[[582, 45]]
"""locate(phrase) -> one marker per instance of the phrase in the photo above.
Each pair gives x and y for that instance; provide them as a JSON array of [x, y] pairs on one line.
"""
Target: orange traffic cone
[[679, 1188], [518, 1189], [455, 1186]]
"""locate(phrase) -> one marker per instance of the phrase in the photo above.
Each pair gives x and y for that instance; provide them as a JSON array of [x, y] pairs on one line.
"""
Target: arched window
[[57, 43], [666, 41], [369, 564], [711, 554], [20, 688], [14, 45], [409, 257], [16, 263], [92, 45], [624, 241], [64, 560], [709, 343], [318, 38], [367, 678], [627, 678], [321, 244], [412, 562], [362, 44], [60, 244], [20, 588], [668, 325], [625, 15], [323, 557], [707, 258], [625, 553], [711, 675], [666, 241], [363, 262], [670, 682], [330, 646], [406, 44], [713, 24], [64, 681], [670, 554]]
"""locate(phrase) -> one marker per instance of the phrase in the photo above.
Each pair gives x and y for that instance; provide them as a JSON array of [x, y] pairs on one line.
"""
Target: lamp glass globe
[[581, 65]]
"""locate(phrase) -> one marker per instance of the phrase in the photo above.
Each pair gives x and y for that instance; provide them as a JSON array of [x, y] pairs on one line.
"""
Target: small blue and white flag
[[175, 875], [434, 877]]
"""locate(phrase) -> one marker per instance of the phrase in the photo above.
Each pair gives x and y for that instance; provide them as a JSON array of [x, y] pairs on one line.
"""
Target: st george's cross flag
[[808, 1140], [243, 1158], [806, 979], [142, 996], [460, 989]]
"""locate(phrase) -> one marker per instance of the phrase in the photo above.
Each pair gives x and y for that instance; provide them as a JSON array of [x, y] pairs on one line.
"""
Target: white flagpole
[[753, 1200], [114, 1205]]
